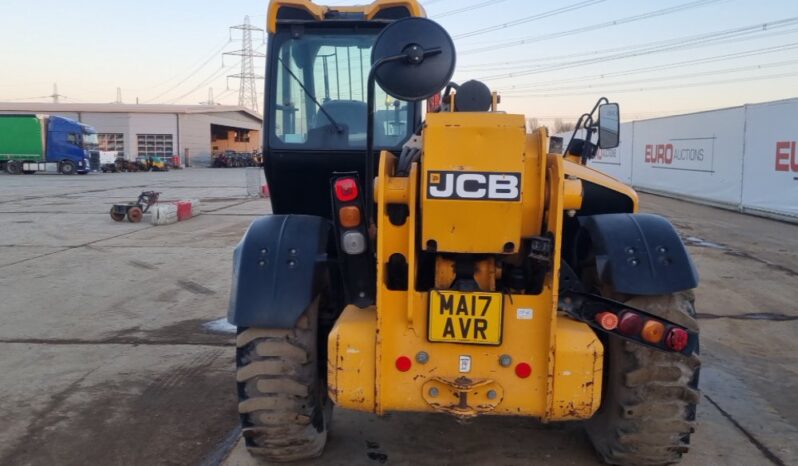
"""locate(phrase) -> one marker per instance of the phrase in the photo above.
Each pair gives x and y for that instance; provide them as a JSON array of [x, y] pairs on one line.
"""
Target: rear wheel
[[134, 215], [68, 167], [118, 217], [649, 402], [282, 392], [13, 167]]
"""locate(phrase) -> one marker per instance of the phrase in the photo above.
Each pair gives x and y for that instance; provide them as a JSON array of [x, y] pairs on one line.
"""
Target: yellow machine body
[[385, 358]]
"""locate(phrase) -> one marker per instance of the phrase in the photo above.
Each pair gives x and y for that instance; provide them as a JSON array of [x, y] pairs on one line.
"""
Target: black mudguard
[[278, 268], [639, 254]]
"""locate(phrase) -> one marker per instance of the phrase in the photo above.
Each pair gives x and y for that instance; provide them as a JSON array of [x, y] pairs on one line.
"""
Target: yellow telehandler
[[449, 261]]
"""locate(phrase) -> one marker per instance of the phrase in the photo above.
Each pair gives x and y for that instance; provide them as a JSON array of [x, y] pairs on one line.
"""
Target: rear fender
[[639, 254], [278, 269]]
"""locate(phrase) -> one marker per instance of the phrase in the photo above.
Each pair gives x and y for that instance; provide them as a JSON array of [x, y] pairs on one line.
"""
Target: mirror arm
[[368, 182], [578, 125], [411, 56]]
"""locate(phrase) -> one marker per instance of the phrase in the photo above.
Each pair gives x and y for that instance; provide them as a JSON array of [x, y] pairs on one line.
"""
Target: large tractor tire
[[649, 402], [282, 391]]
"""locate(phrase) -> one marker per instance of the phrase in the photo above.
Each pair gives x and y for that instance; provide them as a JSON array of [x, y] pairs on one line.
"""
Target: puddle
[[702, 243], [771, 316], [219, 326]]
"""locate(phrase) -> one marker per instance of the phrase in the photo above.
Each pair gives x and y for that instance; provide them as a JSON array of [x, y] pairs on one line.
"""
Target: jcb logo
[[474, 185]]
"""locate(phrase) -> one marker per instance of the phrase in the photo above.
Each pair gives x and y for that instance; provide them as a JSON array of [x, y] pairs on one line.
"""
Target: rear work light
[[346, 189], [349, 216], [353, 242]]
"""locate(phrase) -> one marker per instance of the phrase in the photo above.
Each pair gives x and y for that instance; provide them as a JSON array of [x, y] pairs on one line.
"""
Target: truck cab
[[68, 145]]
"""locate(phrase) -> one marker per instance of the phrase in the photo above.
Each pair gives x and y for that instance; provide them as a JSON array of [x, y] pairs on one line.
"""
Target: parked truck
[[32, 143]]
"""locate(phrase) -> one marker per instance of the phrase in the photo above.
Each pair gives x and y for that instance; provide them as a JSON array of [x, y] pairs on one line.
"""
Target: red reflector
[[403, 363], [676, 339], [346, 189], [607, 320], [523, 370], [630, 323]]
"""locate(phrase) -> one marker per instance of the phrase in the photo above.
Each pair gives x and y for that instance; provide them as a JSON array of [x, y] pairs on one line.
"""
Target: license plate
[[460, 317]]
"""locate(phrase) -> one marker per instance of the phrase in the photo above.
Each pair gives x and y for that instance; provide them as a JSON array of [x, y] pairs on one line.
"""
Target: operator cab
[[316, 111]]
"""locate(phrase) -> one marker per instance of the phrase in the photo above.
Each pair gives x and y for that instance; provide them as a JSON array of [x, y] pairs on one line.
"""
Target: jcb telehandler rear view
[[449, 262]]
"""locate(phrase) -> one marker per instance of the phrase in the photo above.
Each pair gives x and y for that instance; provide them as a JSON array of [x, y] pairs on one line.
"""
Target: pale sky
[[548, 59]]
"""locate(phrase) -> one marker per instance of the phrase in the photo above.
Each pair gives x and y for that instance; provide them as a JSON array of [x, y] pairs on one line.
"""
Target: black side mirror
[[609, 126], [413, 59]]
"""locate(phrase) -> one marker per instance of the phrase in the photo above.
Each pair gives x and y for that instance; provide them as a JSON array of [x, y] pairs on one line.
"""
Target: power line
[[476, 6], [704, 60], [216, 74], [19, 99], [529, 19], [671, 77], [674, 45], [736, 35], [593, 27], [191, 73], [671, 86]]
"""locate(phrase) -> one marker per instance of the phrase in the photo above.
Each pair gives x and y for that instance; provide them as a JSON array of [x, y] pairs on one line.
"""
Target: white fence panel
[[617, 162], [695, 156], [770, 171]]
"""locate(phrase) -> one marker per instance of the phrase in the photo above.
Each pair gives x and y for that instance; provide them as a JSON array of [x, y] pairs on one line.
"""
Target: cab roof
[[297, 11]]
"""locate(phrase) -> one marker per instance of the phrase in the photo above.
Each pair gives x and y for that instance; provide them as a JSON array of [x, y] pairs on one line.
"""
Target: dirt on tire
[[282, 396]]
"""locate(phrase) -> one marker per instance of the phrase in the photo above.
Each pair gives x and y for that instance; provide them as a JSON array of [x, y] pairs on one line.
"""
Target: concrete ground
[[108, 358]]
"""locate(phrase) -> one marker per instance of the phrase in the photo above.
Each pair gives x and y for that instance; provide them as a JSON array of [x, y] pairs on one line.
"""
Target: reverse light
[[676, 339], [349, 216], [353, 242], [403, 364], [346, 189], [523, 370], [630, 323], [607, 320], [653, 331]]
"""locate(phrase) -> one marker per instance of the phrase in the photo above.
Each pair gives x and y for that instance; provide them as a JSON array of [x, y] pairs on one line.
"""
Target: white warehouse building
[[192, 131]]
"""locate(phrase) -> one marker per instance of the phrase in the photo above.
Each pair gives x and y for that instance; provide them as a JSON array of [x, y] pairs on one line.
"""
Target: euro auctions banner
[[697, 156], [770, 172]]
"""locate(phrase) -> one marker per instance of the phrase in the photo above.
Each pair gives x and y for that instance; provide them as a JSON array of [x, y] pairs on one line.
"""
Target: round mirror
[[427, 62]]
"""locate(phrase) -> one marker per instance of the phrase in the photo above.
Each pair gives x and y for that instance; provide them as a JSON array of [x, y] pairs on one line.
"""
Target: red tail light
[[346, 189], [607, 320], [676, 339], [630, 323]]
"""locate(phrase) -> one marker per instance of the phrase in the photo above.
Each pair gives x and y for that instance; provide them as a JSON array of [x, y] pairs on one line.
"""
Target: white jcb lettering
[[503, 187], [466, 184], [475, 186], [447, 184]]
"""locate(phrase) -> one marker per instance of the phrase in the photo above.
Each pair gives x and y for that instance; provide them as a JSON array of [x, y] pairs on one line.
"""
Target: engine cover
[[472, 180]]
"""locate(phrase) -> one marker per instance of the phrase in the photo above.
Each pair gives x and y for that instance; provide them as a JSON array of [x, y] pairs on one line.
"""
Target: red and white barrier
[[165, 213]]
